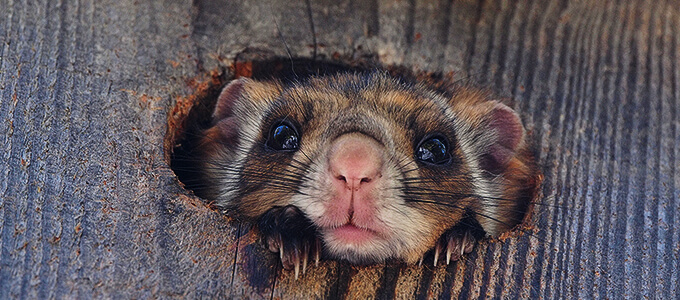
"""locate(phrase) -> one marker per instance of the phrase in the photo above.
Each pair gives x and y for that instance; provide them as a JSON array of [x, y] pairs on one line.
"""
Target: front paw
[[456, 242], [287, 231]]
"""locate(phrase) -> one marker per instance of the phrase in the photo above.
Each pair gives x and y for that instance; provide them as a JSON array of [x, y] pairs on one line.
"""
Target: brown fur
[[395, 114]]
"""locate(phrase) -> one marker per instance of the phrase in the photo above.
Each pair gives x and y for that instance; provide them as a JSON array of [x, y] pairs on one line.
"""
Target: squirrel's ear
[[508, 133], [225, 126], [242, 94], [229, 95]]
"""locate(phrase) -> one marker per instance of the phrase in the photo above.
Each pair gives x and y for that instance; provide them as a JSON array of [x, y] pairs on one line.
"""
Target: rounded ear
[[224, 107], [224, 130], [508, 135]]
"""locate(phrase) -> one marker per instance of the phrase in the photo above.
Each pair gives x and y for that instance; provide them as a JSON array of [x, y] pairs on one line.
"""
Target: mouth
[[352, 234]]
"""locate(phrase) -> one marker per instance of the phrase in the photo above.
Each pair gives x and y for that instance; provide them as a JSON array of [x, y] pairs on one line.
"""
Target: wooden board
[[89, 207]]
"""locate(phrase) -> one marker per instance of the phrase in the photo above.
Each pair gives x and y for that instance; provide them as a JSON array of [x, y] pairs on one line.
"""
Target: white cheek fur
[[248, 134], [472, 143]]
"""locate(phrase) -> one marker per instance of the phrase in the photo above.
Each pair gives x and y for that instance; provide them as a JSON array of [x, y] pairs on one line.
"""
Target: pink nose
[[355, 161]]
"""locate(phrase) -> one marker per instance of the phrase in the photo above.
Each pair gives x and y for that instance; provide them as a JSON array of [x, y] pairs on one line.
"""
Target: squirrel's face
[[375, 168]]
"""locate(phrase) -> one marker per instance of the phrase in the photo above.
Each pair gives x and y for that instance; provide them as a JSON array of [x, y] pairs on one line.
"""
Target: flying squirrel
[[366, 167]]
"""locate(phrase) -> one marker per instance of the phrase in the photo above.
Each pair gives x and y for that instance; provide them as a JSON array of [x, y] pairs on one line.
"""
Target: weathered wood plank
[[89, 207]]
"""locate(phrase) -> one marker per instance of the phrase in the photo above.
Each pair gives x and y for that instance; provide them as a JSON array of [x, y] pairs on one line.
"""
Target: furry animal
[[366, 167]]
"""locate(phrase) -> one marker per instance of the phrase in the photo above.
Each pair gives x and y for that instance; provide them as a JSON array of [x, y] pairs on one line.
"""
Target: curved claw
[[317, 252], [274, 243], [457, 242], [287, 231], [296, 262], [469, 242], [437, 249]]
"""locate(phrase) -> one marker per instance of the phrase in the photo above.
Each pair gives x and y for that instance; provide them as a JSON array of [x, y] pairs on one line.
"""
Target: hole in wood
[[467, 223]]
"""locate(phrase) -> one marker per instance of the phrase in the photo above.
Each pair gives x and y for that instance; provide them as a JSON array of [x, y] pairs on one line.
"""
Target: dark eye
[[283, 138], [433, 151]]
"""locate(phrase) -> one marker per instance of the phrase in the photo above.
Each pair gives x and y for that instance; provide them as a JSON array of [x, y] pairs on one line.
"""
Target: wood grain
[[89, 207]]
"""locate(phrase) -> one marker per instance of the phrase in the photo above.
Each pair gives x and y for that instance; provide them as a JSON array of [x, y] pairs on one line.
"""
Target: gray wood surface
[[89, 207]]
